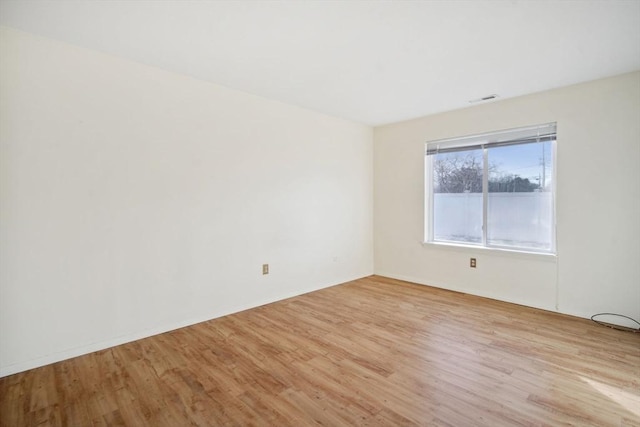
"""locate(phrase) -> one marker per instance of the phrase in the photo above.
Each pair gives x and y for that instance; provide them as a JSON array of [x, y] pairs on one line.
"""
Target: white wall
[[598, 202], [134, 201]]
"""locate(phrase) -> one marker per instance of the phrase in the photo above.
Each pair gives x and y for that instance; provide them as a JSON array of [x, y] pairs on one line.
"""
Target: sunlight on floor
[[629, 401]]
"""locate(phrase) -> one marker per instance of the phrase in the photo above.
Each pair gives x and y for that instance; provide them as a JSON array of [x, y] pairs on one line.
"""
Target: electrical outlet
[[265, 268], [472, 263]]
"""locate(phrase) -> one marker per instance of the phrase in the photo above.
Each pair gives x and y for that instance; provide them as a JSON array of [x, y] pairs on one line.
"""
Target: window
[[493, 190]]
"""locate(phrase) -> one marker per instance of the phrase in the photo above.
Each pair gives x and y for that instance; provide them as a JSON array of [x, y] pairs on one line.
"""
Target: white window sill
[[459, 247]]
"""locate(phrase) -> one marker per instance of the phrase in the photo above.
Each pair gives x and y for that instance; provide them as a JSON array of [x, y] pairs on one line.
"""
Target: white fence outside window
[[513, 219]]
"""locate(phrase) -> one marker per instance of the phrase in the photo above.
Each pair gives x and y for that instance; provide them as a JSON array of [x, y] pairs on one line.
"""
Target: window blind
[[532, 134]]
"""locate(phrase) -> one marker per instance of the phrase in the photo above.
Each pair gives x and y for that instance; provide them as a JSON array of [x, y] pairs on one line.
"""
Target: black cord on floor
[[622, 328]]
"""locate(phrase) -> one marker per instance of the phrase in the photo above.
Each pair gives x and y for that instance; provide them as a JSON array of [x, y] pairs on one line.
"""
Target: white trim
[[572, 312], [428, 195], [485, 194], [454, 289], [460, 247], [554, 195], [102, 345]]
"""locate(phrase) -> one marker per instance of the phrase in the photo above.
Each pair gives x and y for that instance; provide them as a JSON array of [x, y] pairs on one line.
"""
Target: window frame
[[486, 141]]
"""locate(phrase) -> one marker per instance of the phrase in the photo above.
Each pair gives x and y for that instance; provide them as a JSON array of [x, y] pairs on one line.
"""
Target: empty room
[[337, 213]]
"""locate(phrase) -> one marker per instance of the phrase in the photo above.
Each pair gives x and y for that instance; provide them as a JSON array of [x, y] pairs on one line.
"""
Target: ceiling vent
[[484, 98]]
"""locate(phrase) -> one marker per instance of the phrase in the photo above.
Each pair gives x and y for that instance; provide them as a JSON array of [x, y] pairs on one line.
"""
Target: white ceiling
[[373, 62]]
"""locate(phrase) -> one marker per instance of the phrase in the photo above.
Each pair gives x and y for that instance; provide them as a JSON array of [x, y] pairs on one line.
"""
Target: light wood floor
[[374, 351]]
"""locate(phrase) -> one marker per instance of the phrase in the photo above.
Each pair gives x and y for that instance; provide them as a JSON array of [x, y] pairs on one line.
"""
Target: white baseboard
[[434, 284], [102, 345]]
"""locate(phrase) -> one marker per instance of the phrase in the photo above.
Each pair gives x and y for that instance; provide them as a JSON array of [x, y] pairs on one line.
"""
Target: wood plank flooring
[[374, 351]]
